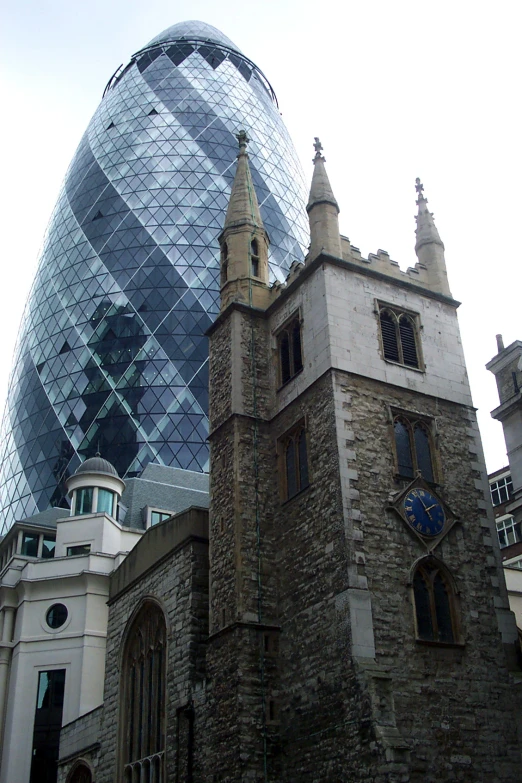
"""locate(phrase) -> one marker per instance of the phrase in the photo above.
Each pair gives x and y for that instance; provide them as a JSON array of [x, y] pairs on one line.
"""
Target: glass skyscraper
[[112, 355]]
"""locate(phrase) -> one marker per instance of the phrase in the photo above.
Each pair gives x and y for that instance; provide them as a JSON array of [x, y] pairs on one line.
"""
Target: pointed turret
[[323, 211], [429, 247], [244, 241]]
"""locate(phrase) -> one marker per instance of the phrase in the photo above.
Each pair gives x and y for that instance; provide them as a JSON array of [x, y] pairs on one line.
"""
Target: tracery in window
[[435, 606], [294, 458], [413, 447], [80, 774], [289, 350], [400, 337], [143, 698]]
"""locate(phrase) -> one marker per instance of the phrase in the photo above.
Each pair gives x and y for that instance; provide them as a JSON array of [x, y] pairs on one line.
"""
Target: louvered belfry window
[[290, 350], [399, 333]]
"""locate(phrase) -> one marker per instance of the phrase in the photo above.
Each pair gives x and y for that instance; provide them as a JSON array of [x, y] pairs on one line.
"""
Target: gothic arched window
[[294, 453], [143, 696], [413, 447], [289, 350], [435, 606], [400, 338], [80, 774], [254, 256]]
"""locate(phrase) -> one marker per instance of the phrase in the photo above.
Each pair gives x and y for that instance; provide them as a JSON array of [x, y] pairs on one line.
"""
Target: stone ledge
[[156, 545]]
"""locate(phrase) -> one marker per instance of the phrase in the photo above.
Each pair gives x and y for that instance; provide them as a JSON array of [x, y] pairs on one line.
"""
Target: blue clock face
[[424, 512]]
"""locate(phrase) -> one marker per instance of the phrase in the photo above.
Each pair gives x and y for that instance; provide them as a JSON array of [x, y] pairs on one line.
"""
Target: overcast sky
[[395, 90]]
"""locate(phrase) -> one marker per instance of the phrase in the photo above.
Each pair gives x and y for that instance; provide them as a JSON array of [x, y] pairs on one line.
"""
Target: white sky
[[395, 90]]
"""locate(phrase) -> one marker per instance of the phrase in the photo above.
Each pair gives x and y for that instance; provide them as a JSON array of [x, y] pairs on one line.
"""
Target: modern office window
[[413, 447], [289, 350], [48, 546], [78, 549], [399, 336], [105, 501], [501, 490], [143, 701], [508, 531], [435, 610], [159, 516], [30, 544], [56, 616], [47, 725], [84, 500], [293, 453]]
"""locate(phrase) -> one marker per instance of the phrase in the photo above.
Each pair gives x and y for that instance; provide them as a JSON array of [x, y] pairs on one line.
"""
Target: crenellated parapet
[[381, 262], [245, 281]]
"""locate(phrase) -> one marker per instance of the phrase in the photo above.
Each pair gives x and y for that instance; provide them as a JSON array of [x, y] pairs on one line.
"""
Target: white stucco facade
[[56, 559], [28, 589]]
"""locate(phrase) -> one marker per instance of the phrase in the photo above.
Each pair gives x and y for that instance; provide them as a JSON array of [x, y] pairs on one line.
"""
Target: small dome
[[195, 30], [97, 465]]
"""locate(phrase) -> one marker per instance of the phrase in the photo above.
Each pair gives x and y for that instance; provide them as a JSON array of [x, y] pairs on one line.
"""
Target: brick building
[[343, 615]]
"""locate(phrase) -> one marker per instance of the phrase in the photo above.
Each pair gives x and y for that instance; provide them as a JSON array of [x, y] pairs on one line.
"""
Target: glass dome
[[112, 354]]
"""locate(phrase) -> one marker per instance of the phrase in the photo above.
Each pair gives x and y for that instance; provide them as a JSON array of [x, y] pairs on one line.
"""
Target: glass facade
[[112, 355]]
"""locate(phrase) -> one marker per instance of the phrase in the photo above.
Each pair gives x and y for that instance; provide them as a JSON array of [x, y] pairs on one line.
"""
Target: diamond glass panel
[[112, 354]]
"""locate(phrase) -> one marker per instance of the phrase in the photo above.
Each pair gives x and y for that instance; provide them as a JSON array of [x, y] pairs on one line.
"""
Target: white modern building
[[54, 581]]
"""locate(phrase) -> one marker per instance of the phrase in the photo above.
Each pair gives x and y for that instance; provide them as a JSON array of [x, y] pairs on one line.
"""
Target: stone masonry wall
[[283, 700], [454, 706], [326, 728], [240, 683], [180, 584], [79, 740], [509, 377], [314, 672]]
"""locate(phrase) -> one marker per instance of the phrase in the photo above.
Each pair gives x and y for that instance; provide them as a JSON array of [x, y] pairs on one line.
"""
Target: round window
[[56, 616]]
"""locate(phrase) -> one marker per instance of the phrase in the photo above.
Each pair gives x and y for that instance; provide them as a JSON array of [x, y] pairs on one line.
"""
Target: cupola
[[95, 488]]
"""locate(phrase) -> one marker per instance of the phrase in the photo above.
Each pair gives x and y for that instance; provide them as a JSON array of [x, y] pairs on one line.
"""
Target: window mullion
[[398, 339], [433, 608]]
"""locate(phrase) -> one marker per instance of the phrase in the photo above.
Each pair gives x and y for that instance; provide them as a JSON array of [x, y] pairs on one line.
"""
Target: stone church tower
[[342, 614], [359, 623]]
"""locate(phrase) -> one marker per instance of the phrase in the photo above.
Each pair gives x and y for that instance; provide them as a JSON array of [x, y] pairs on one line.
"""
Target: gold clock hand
[[426, 509]]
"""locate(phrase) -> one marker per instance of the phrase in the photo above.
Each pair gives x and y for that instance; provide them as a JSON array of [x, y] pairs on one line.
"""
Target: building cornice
[[505, 357], [507, 407]]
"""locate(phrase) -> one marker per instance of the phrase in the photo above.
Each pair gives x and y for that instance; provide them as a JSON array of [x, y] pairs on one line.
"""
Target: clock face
[[424, 512]]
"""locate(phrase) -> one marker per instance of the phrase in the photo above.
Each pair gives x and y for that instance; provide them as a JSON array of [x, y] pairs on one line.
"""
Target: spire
[[243, 207], [429, 247], [323, 211], [320, 190], [426, 229], [244, 241]]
